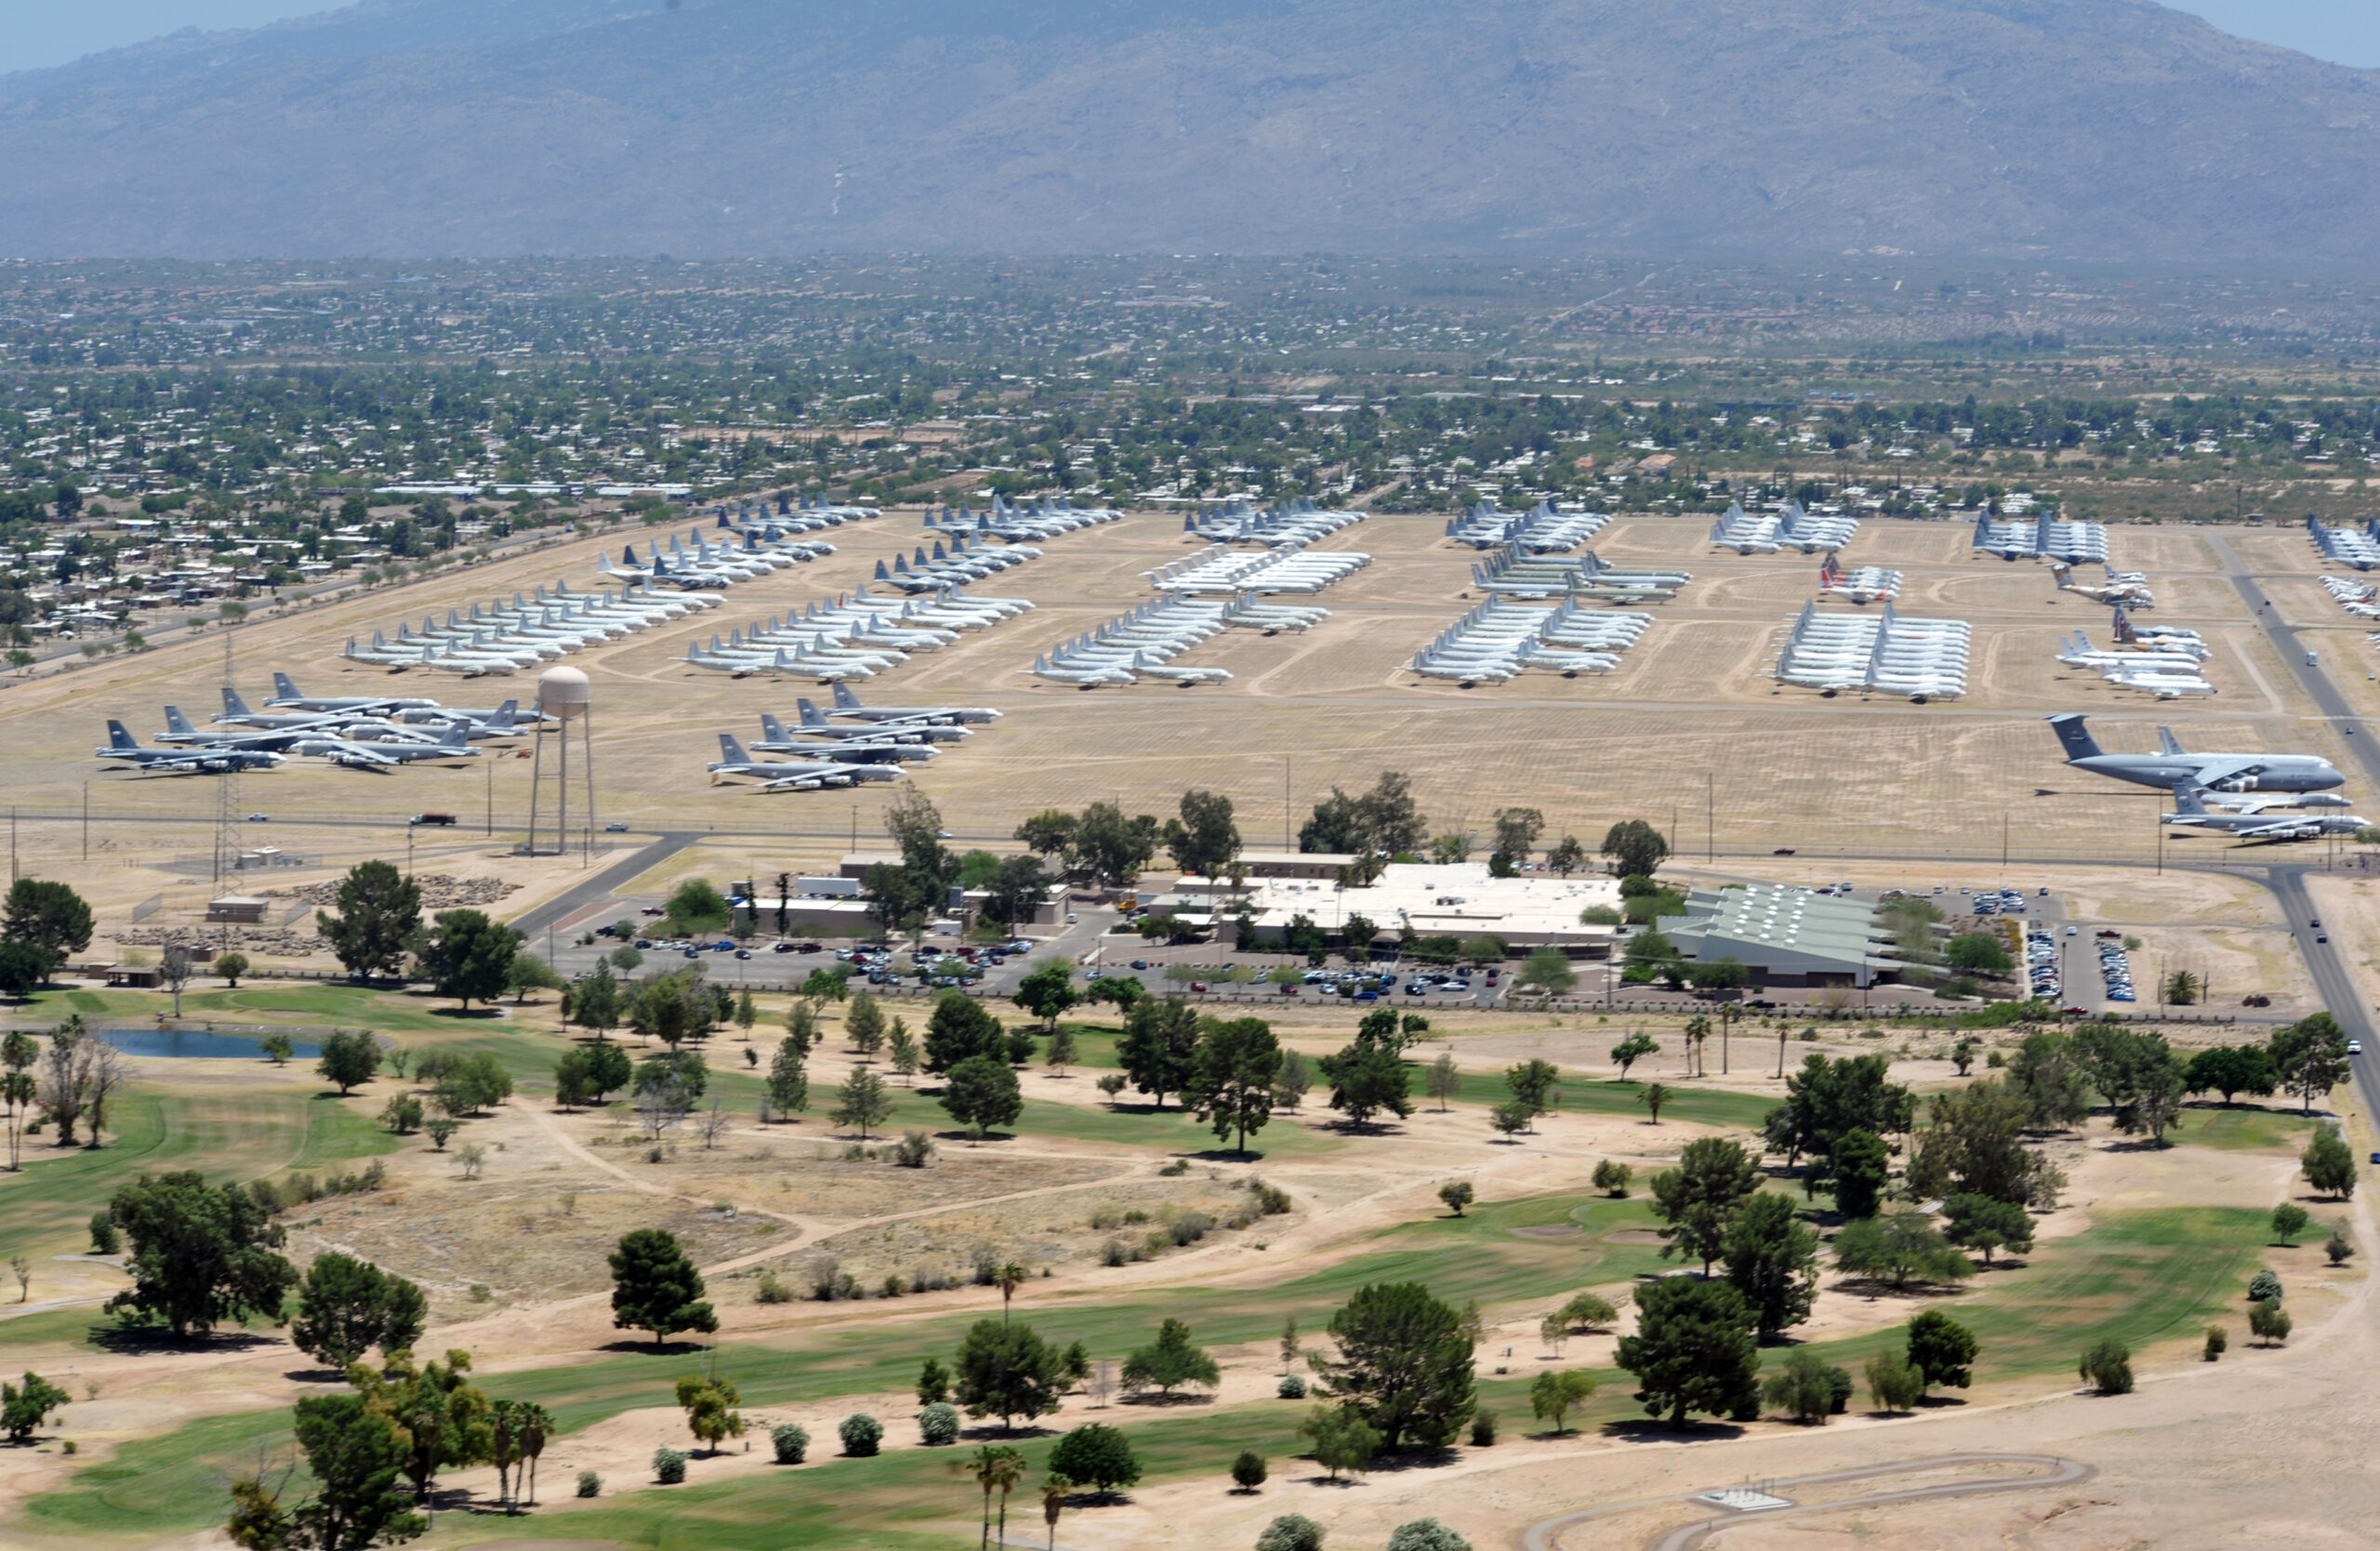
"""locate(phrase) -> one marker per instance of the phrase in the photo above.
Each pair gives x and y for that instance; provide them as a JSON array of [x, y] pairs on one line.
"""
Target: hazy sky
[[37, 33]]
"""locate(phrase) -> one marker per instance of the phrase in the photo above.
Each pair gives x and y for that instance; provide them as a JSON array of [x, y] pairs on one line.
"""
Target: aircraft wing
[[2215, 772]]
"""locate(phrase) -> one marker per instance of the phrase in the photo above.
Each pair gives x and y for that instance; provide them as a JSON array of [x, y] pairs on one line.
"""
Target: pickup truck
[[433, 819]]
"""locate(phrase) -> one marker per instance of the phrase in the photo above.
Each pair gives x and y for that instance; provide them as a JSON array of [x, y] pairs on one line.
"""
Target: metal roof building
[[1785, 936]]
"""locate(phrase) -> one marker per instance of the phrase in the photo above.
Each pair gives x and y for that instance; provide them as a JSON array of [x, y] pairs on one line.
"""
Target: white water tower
[[567, 695]]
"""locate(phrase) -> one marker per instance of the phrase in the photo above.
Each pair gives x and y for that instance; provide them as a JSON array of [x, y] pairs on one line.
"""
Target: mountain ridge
[[2098, 131]]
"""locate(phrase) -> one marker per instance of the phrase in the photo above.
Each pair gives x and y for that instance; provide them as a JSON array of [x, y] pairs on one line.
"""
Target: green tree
[[380, 911], [1693, 1349], [1168, 1364], [466, 955], [933, 1383], [355, 1457], [1097, 1456], [1701, 1196], [1826, 1100], [1983, 1222], [1977, 953], [1861, 1166], [2288, 1221], [1516, 832], [655, 1287], [571, 1086], [2269, 1322], [608, 1070], [710, 1403], [48, 916], [1342, 1440], [1204, 840], [1403, 1364], [1369, 1074], [1248, 1470], [2231, 1070], [863, 1025], [23, 969], [199, 1255], [1631, 1049], [1636, 849], [960, 1029], [346, 1307], [1976, 1145], [231, 966], [1554, 1394], [1803, 1385], [1653, 1096], [1534, 1084], [1457, 1194], [1016, 891], [1007, 1371], [440, 1418], [1111, 847], [2310, 1056], [349, 1059], [1941, 1350], [1047, 992], [1444, 1080], [789, 1078], [1612, 1177], [695, 909], [595, 1001], [27, 1411], [982, 1091], [2329, 1163], [862, 1102], [2047, 1078], [1899, 1247], [1895, 1382], [1158, 1049], [1232, 1076], [1772, 1260], [2108, 1365]]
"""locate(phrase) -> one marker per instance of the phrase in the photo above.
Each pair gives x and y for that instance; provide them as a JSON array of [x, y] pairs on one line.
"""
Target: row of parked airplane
[[1284, 569], [2166, 664], [954, 565], [1047, 519], [1790, 528], [2359, 547], [1542, 530], [1867, 585], [1137, 644], [1508, 574], [362, 732], [504, 638], [869, 743], [856, 636], [1498, 640], [1924, 659], [2041, 537], [1291, 525]]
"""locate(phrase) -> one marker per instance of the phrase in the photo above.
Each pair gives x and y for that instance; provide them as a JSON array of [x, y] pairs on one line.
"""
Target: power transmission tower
[[227, 808]]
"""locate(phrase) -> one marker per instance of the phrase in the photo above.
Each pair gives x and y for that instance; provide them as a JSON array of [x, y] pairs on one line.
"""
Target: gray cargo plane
[[2190, 814], [847, 705], [782, 776], [123, 746], [2173, 766], [286, 696]]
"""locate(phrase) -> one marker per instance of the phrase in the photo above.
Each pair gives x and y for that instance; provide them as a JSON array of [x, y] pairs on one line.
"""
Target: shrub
[[2264, 1285], [1191, 1226], [1271, 1200], [2108, 1366], [1097, 1456], [1611, 1177], [1894, 1381], [668, 1465], [912, 1150], [105, 1236], [589, 1484], [938, 1424], [1247, 1471], [791, 1440], [2219, 1341], [861, 1434], [771, 1289], [1291, 1388], [2338, 1246], [1425, 1534], [1113, 1253], [2269, 1322], [1482, 1429], [1291, 1531]]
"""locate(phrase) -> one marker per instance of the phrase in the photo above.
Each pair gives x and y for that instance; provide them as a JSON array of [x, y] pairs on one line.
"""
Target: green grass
[[2248, 1128], [2142, 1277], [235, 1137]]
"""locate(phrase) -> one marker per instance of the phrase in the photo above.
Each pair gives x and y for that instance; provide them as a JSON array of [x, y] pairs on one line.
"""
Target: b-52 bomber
[[123, 747], [2190, 813], [2173, 765]]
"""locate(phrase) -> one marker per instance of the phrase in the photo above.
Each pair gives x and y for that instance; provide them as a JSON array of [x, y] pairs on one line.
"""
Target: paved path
[[595, 886], [1545, 1535]]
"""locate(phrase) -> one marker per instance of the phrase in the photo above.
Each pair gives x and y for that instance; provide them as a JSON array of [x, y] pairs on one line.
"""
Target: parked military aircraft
[[2190, 813], [2173, 765], [786, 775], [846, 704], [288, 697], [124, 746]]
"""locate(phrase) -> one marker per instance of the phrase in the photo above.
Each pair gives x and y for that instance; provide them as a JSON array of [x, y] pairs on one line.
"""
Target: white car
[[2355, 1047]]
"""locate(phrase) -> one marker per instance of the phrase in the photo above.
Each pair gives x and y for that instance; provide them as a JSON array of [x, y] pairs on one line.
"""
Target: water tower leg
[[562, 821], [587, 758], [537, 782]]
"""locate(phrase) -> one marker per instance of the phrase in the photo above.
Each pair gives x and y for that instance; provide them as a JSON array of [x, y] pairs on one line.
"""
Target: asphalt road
[[2288, 879], [532, 922]]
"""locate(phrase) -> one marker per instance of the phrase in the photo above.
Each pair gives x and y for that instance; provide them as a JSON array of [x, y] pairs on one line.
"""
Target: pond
[[179, 1043]]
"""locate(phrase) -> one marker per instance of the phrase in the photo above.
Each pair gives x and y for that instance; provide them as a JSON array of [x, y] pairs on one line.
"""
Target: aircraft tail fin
[[2186, 800], [284, 688], [233, 705], [771, 728], [176, 721], [454, 738], [845, 699], [505, 715], [810, 716], [731, 750], [2077, 740], [120, 737], [2167, 743]]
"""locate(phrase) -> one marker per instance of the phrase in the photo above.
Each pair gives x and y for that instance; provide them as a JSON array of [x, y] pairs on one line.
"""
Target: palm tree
[[505, 1419], [1653, 1096], [993, 1468], [1010, 1277], [535, 1424], [1698, 1028], [1011, 1471], [1055, 1493]]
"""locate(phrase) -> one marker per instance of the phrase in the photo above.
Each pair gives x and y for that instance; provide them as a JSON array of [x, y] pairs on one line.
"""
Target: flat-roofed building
[[1785, 936]]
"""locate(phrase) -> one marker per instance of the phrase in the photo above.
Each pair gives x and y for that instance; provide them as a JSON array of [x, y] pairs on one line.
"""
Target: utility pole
[[1710, 838], [87, 821]]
